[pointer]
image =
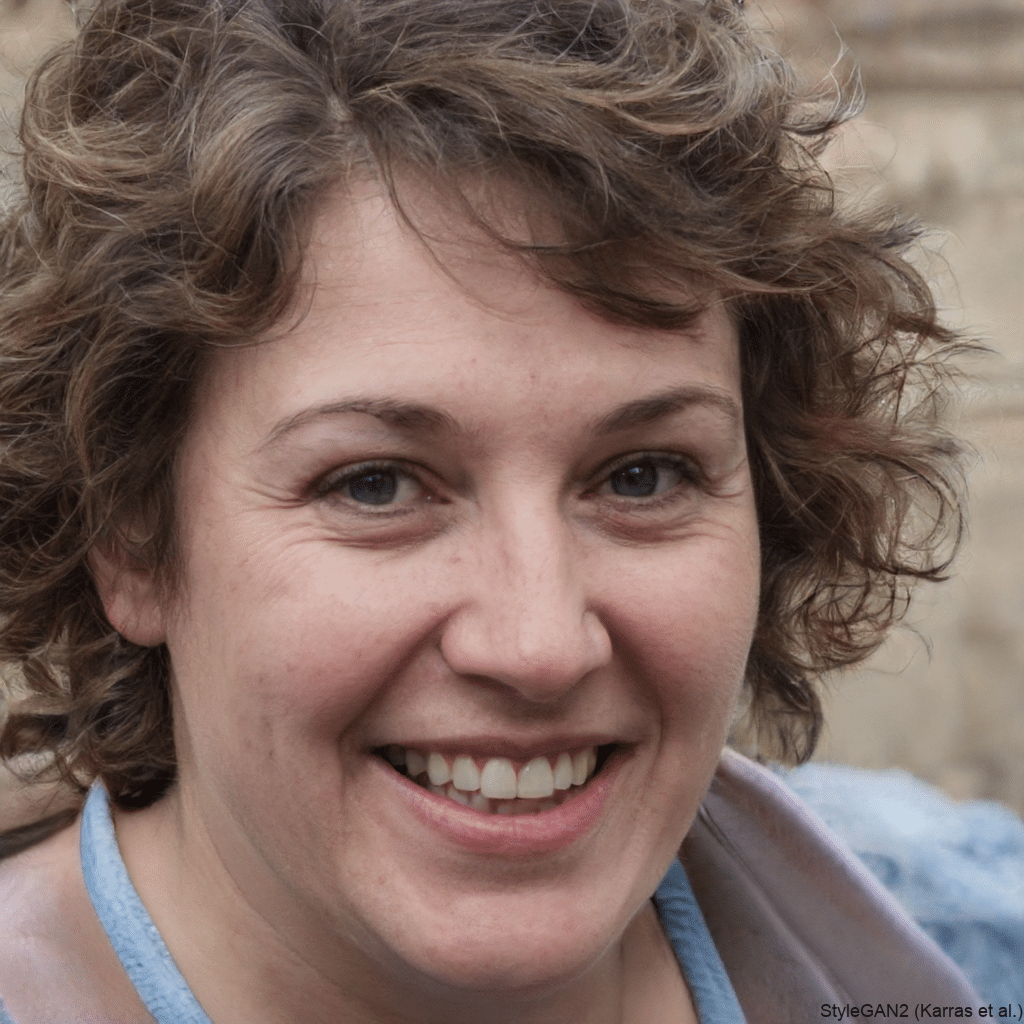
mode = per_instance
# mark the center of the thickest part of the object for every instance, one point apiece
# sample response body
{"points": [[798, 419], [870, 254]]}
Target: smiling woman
{"points": [[422, 424]]}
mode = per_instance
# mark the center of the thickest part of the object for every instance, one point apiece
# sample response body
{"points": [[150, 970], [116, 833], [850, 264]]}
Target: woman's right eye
{"points": [[384, 487], [376, 488]]}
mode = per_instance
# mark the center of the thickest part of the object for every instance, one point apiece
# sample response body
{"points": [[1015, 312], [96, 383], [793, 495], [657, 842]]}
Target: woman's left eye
{"points": [[648, 477], [372, 486]]}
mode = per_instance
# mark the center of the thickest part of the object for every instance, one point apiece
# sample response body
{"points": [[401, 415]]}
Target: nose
{"points": [[524, 620]]}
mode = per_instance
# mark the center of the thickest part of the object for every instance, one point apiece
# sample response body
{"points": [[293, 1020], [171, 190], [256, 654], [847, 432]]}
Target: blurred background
{"points": [[943, 136]]}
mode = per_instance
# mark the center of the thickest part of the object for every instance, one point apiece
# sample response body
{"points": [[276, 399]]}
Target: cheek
{"points": [[277, 653], [687, 623]]}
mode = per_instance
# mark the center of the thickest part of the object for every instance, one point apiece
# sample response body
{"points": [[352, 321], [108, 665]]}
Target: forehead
{"points": [[441, 316]]}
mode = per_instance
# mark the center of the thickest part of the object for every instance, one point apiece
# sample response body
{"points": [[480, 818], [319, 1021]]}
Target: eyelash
{"points": [[332, 484], [689, 471]]}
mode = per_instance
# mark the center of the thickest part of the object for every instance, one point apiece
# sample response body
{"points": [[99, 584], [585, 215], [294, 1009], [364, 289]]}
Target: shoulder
{"points": [[32, 880], [957, 867], [55, 959], [778, 889]]}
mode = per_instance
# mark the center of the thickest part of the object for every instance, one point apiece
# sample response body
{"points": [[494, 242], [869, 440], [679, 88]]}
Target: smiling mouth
{"points": [[494, 785]]}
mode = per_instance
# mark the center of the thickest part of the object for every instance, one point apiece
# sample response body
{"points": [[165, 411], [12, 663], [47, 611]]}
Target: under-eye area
{"points": [[499, 785]]}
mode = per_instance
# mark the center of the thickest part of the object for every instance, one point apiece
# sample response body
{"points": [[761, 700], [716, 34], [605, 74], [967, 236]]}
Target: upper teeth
{"points": [[498, 779]]}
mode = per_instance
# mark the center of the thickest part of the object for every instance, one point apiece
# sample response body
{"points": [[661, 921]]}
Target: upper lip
{"points": [[503, 746]]}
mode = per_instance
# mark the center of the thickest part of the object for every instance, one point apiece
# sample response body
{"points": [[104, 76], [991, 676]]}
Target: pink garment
{"points": [[799, 922]]}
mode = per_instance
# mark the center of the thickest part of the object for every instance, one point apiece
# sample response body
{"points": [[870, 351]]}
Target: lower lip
{"points": [[512, 835]]}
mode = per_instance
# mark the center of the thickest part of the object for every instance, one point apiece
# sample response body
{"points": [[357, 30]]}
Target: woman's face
{"points": [[453, 513]]}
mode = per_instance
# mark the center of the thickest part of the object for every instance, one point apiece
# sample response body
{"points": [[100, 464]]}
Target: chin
{"points": [[508, 952], [519, 969]]}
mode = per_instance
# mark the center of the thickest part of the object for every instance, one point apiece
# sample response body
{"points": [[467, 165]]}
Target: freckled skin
{"points": [[508, 589]]}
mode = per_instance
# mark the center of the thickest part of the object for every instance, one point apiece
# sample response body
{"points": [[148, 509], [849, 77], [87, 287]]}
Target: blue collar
{"points": [[126, 921]]}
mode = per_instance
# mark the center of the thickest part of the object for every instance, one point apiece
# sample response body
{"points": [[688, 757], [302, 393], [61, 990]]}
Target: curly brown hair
{"points": [[173, 155]]}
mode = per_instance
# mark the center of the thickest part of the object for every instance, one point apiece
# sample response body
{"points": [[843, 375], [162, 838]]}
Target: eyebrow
{"points": [[666, 403], [411, 417], [405, 416]]}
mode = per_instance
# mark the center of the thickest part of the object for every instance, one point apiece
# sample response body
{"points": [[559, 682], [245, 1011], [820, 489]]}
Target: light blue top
{"points": [[168, 998]]}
